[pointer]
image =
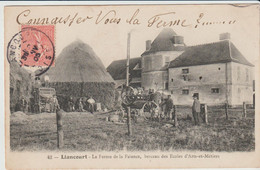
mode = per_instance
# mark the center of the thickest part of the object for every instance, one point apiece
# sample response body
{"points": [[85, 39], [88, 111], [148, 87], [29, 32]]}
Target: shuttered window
{"points": [[185, 91]]}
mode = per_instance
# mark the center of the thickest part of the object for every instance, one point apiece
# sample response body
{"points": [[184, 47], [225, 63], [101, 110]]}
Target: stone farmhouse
{"points": [[217, 71]]}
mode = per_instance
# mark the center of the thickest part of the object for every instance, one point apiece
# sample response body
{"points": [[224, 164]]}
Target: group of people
{"points": [[51, 104], [54, 104], [32, 105], [81, 104], [167, 107]]}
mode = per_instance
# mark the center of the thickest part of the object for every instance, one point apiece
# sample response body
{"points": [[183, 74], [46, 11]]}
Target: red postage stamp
{"points": [[33, 47], [37, 45]]}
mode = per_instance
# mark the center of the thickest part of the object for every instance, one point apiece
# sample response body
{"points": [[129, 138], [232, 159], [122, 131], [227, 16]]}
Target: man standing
{"points": [[81, 107], [91, 102], [196, 108], [70, 104], [169, 107]]}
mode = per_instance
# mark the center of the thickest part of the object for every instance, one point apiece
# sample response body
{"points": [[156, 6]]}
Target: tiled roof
{"points": [[117, 69], [164, 42], [217, 52]]}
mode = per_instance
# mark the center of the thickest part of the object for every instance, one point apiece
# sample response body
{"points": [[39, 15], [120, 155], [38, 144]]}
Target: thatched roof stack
{"points": [[78, 63], [78, 72]]}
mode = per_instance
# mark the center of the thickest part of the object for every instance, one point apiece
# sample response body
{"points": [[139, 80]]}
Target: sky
{"points": [[109, 42]]}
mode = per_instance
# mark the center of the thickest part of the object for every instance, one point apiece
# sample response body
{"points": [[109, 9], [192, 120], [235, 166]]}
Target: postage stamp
{"points": [[33, 47]]}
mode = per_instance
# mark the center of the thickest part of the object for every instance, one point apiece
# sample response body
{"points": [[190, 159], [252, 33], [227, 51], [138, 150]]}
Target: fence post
{"points": [[226, 110], [244, 109], [175, 116], [129, 121], [206, 113], [60, 143]]}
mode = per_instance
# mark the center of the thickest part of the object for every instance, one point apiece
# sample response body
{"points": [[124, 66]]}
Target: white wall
{"points": [[152, 76], [242, 87], [201, 79], [154, 80]]}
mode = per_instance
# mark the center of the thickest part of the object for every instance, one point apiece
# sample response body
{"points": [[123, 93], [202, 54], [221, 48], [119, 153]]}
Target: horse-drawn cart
{"points": [[140, 103]]}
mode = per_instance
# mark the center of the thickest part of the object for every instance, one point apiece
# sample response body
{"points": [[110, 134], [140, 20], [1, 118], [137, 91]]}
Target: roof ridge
{"points": [[207, 43], [209, 53], [126, 59]]}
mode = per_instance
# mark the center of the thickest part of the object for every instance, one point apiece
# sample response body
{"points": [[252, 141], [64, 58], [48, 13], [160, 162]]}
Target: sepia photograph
{"points": [[126, 83]]}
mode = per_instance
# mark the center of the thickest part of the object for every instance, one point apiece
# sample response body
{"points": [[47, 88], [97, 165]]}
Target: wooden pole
{"points": [[127, 84], [244, 109], [129, 121], [175, 116], [206, 113], [128, 59], [226, 110], [60, 143]]}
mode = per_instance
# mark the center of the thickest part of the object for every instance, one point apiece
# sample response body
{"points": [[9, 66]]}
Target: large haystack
{"points": [[78, 72], [20, 86]]}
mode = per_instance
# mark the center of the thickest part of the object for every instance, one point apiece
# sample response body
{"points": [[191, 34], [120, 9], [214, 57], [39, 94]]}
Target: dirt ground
{"points": [[87, 132]]}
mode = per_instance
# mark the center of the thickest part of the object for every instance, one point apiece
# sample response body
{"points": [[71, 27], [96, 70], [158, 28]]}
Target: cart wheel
{"points": [[121, 112], [150, 110], [128, 95]]}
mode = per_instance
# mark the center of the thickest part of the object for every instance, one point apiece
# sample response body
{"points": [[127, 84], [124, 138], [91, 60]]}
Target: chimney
{"points": [[224, 36], [148, 44]]}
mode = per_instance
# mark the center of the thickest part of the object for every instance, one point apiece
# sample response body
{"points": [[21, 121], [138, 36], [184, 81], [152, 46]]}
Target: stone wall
{"points": [[207, 80], [214, 84]]}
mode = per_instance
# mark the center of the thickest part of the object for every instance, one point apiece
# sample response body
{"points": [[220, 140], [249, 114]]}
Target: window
{"points": [[215, 90], [172, 80], [185, 77], [185, 91], [185, 71]]}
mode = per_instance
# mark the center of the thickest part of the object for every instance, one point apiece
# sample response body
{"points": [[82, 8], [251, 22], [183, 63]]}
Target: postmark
{"points": [[33, 47]]}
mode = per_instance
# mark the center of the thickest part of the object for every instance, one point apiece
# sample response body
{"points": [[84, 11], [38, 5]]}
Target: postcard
{"points": [[132, 86]]}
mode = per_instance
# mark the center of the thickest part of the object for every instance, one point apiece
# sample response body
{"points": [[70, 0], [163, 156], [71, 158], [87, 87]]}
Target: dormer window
{"points": [[185, 71]]}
